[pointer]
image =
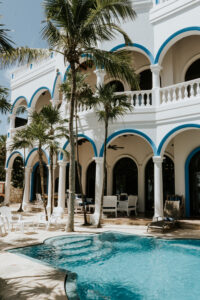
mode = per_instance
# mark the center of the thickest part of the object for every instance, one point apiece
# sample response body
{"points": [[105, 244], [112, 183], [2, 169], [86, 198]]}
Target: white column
{"points": [[100, 73], [26, 196], [61, 186], [155, 69], [50, 186], [30, 111], [7, 185], [158, 187], [98, 189]]}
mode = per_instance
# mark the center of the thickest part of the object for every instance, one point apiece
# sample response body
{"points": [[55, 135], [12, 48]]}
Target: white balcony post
{"points": [[155, 69], [26, 187], [100, 73], [7, 185], [158, 188], [61, 186], [98, 189]]}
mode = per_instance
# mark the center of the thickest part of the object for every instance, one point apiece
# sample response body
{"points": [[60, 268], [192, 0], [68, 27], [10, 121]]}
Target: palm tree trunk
{"points": [[78, 166], [70, 222], [104, 173], [40, 153], [21, 204], [52, 178]]}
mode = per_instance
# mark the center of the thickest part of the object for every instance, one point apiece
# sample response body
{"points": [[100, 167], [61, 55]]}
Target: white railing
{"points": [[139, 98], [14, 130], [180, 92]]}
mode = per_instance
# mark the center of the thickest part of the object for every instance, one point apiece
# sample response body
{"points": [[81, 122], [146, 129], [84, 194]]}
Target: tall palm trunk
{"points": [[52, 179], [70, 222], [23, 187], [104, 172], [40, 154], [78, 165]]}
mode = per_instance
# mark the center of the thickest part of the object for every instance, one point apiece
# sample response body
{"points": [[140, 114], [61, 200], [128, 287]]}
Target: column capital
{"points": [[62, 163], [157, 159], [28, 169], [98, 160], [100, 72], [155, 68]]}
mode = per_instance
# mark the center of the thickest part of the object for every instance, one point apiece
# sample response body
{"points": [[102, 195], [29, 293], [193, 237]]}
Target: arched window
{"points": [[36, 181], [194, 181], [125, 177], [119, 87]]}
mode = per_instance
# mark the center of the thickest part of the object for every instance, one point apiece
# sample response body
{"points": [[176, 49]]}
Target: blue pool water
{"points": [[125, 267]]}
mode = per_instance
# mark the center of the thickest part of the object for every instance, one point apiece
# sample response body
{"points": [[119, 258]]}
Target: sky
{"points": [[23, 18]]}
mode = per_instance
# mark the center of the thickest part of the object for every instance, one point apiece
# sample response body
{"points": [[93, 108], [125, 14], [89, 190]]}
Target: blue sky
{"points": [[23, 18]]}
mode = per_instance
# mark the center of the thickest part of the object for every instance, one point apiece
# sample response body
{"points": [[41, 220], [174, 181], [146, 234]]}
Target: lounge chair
{"points": [[171, 215], [9, 219], [110, 204]]}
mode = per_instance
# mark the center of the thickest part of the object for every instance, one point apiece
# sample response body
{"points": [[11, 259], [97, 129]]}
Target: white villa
{"points": [[154, 150]]}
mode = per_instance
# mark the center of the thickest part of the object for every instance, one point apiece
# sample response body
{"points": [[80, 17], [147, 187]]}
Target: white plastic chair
{"points": [[9, 219], [128, 205], [2, 225], [110, 204]]}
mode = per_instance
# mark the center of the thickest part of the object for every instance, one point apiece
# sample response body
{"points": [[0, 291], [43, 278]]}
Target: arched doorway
{"points": [[119, 87], [146, 80], [36, 181], [125, 177], [168, 181], [90, 180], [194, 180], [193, 72]]}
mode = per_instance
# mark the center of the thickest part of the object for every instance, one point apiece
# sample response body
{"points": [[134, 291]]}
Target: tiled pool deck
{"points": [[22, 278]]}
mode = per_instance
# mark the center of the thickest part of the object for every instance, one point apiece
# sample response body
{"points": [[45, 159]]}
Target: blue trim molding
{"points": [[39, 89], [131, 131], [33, 150], [13, 153], [15, 102], [187, 181], [85, 137], [178, 128], [54, 85], [171, 37], [139, 46]]}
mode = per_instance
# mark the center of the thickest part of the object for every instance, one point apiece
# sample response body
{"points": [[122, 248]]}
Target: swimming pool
{"points": [[122, 266]]}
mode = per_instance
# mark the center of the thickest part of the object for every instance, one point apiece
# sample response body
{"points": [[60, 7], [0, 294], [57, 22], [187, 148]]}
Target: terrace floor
{"points": [[22, 278]]}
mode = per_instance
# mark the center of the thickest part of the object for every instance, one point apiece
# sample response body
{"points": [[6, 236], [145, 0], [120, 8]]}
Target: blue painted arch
{"points": [[11, 155], [66, 72], [32, 151], [129, 131], [139, 46], [39, 89], [171, 132], [17, 100], [82, 136], [171, 37], [187, 181]]}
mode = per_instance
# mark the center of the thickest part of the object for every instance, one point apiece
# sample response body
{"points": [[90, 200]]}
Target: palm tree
{"points": [[3, 139], [4, 104], [83, 93], [37, 133], [56, 130], [113, 105], [22, 141], [73, 28]]}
